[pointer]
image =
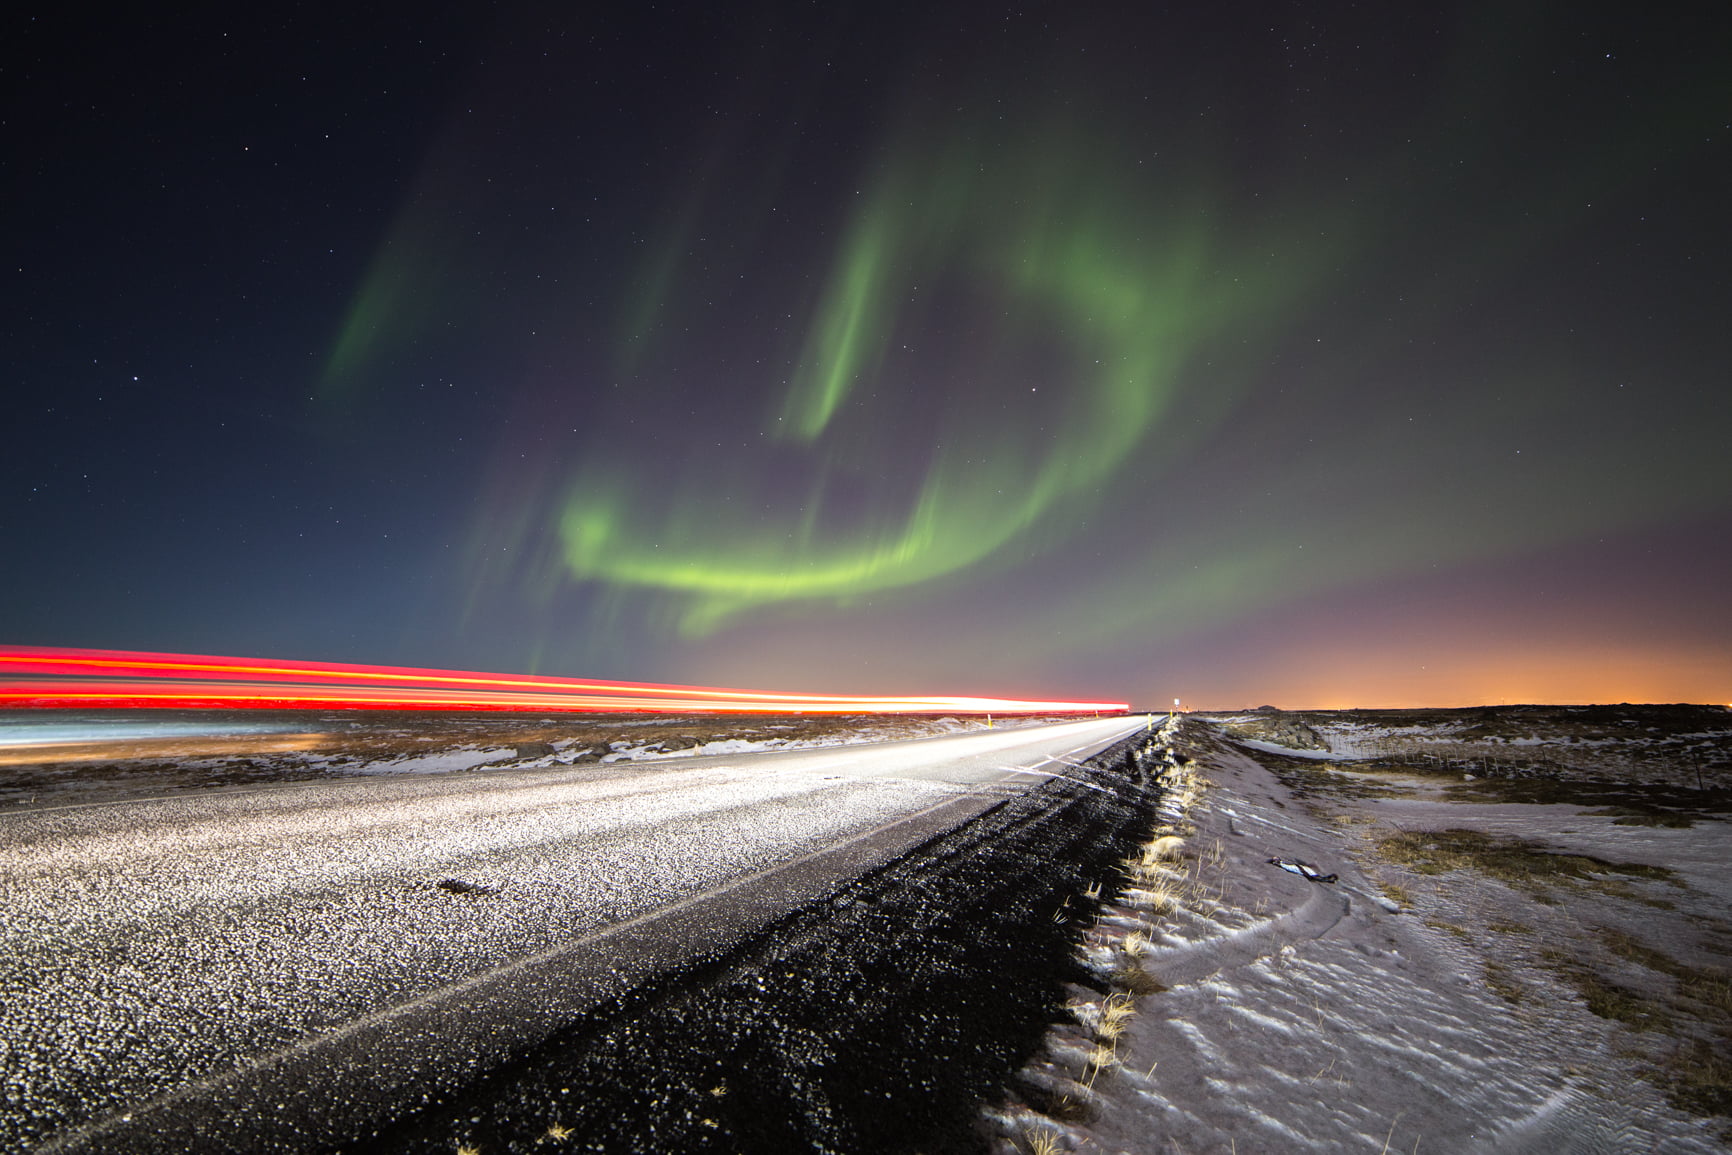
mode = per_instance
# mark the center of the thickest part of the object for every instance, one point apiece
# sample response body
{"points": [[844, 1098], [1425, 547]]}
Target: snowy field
{"points": [[56, 758], [1485, 974]]}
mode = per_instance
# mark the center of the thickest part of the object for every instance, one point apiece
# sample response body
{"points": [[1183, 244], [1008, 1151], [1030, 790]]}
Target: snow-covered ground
{"points": [[1685, 746], [655, 751], [438, 762], [1332, 755], [1393, 1009], [53, 757]]}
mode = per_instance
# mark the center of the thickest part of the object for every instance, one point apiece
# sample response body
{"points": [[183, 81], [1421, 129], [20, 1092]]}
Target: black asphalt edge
{"points": [[880, 1019], [416, 1051]]}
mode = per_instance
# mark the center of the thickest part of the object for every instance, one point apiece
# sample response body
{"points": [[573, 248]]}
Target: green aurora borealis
{"points": [[1040, 258], [1123, 353]]}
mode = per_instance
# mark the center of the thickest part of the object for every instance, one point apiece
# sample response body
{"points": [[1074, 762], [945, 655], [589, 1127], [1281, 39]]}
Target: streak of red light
{"points": [[71, 678]]}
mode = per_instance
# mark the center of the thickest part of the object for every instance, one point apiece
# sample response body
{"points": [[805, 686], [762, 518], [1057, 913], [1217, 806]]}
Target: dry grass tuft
{"points": [[1066, 1109], [1144, 873], [1137, 981], [1102, 1058], [1042, 1142], [1708, 987], [1605, 998], [1116, 1014], [1394, 891], [1701, 1081], [1157, 898], [1460, 932], [1504, 926], [1163, 849], [1713, 991], [1501, 983]]}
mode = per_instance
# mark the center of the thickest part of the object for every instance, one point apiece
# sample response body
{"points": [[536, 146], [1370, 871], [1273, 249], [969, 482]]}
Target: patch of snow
{"points": [[439, 763], [1292, 752], [653, 751]]}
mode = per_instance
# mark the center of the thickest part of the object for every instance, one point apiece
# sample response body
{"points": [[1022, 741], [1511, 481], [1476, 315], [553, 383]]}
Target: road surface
{"points": [[290, 954]]}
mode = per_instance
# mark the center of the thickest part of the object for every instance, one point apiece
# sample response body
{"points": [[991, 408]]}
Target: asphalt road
{"points": [[274, 968]]}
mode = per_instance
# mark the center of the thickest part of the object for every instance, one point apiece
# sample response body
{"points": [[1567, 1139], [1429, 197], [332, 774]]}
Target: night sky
{"points": [[1311, 354]]}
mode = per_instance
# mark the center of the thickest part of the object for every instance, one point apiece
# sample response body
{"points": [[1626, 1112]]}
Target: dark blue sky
{"points": [[1283, 352]]}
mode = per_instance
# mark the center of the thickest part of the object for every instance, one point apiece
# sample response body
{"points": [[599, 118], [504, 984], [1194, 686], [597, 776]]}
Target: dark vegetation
{"points": [[1513, 860], [1628, 803], [1682, 744]]}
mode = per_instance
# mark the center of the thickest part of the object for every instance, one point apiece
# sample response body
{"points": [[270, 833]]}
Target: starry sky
{"points": [[1313, 354]]}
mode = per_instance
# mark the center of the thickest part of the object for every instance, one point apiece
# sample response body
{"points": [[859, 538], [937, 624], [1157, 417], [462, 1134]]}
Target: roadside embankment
{"points": [[1257, 1004]]}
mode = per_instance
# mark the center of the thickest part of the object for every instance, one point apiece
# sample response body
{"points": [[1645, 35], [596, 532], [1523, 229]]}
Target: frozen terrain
{"points": [[61, 757], [1522, 948], [1486, 975]]}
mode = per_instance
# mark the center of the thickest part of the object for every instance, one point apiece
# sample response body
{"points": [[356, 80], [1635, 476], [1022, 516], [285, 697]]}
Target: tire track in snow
{"points": [[1311, 919]]}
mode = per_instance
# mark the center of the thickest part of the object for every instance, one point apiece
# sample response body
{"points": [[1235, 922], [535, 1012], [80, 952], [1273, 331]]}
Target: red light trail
{"points": [[47, 677]]}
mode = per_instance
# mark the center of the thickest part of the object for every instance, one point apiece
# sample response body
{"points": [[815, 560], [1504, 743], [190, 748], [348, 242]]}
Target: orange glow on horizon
{"points": [[1469, 673], [71, 678]]}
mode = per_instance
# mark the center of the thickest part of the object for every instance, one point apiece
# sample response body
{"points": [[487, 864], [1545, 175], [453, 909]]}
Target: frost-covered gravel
{"points": [[149, 943]]}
